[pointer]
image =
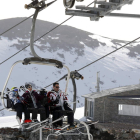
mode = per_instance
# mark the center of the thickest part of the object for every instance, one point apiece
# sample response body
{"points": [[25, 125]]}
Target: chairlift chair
{"points": [[47, 62]]}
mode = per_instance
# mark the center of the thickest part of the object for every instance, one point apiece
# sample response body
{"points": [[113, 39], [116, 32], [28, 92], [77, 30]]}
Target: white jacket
{"points": [[63, 97]]}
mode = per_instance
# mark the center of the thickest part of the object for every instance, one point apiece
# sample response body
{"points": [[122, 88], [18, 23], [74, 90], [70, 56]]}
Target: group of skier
{"points": [[43, 103]]}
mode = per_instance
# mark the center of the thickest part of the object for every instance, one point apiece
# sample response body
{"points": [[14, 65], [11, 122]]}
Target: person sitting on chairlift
{"points": [[19, 105], [33, 99], [44, 102], [59, 100]]}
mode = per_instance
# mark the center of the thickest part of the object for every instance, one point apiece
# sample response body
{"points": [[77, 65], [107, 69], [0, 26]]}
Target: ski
{"points": [[47, 124], [52, 128], [37, 124], [62, 129]]}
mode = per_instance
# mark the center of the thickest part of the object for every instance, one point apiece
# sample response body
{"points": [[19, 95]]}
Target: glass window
{"points": [[90, 108], [130, 110]]}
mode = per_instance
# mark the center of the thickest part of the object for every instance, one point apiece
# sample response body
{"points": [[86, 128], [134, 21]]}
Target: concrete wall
{"points": [[106, 109]]}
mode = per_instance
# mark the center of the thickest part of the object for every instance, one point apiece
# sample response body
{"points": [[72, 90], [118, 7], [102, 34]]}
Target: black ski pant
{"points": [[57, 113], [20, 107], [47, 111], [69, 114], [39, 110]]}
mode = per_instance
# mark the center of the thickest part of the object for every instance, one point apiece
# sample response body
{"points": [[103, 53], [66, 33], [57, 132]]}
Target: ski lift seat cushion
{"points": [[38, 109], [10, 104]]}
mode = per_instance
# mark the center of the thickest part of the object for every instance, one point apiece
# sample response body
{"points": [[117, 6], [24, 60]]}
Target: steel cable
{"points": [[101, 58], [41, 37]]}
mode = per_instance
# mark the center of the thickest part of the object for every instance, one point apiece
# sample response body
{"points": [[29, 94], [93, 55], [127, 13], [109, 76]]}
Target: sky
{"points": [[111, 27]]}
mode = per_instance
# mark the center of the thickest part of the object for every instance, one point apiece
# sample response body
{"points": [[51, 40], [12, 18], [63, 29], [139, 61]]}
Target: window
{"points": [[90, 108], [130, 110]]}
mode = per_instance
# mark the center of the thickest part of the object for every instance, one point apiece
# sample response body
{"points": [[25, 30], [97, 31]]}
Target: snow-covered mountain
{"points": [[76, 48]]}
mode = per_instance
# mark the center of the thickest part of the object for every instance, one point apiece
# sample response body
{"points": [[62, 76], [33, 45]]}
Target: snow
{"points": [[10, 121], [79, 113]]}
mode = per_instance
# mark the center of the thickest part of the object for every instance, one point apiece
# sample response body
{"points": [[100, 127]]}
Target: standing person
{"points": [[33, 99], [19, 105], [59, 99]]}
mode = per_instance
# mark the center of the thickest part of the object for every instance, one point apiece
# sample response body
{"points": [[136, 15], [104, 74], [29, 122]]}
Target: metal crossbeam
{"points": [[90, 8], [123, 15], [107, 3], [80, 13], [103, 9]]}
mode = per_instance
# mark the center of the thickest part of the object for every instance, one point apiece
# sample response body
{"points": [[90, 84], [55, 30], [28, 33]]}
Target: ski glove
{"points": [[57, 100]]}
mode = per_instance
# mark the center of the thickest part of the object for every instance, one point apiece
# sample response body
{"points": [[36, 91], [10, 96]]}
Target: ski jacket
{"points": [[13, 97], [28, 99], [53, 96]]}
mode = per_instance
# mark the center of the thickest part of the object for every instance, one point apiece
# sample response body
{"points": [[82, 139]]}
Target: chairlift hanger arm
{"points": [[39, 6]]}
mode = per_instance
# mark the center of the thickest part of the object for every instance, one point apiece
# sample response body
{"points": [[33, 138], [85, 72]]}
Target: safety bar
{"points": [[70, 134], [48, 124], [65, 133]]}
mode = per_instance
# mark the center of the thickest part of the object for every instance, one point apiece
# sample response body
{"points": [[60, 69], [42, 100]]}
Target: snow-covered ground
{"points": [[10, 121]]}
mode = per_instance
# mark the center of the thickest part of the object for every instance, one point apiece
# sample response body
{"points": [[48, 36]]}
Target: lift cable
{"points": [[109, 53], [99, 59], [40, 37], [18, 24]]}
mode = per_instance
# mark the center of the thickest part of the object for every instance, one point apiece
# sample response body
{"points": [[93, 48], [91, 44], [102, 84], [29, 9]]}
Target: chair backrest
{"points": [[10, 104]]}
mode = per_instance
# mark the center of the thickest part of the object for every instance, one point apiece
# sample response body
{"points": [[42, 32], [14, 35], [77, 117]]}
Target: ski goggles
{"points": [[29, 86], [15, 90]]}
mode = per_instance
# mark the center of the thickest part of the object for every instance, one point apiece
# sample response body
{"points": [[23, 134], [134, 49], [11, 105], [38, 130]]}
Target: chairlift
{"points": [[47, 62]]}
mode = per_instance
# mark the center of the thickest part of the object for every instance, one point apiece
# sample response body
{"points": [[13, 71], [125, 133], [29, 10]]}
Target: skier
{"points": [[33, 99], [19, 105], [59, 100]]}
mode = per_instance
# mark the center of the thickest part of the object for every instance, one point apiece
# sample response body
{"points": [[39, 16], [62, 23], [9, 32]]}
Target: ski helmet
{"points": [[14, 89], [27, 85]]}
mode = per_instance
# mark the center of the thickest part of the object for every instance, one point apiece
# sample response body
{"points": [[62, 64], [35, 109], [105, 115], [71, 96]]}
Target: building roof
{"points": [[111, 91], [132, 97]]}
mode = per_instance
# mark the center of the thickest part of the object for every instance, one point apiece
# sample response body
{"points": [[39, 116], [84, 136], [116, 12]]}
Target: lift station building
{"points": [[120, 104]]}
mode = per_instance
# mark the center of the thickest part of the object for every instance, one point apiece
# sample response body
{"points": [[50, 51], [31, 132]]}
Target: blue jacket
{"points": [[13, 97]]}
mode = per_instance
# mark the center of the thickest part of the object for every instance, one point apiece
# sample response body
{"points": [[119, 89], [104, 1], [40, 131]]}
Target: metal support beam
{"points": [[104, 9], [123, 15], [79, 13], [90, 8]]}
